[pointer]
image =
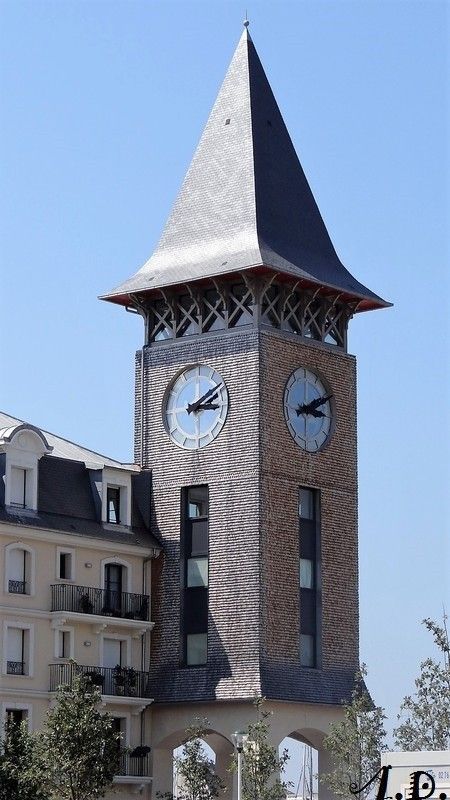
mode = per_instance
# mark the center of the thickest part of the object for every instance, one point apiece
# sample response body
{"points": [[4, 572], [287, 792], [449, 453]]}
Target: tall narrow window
{"points": [[114, 575], [63, 644], [18, 487], [17, 649], [65, 563], [113, 504], [308, 576], [194, 572], [19, 571]]}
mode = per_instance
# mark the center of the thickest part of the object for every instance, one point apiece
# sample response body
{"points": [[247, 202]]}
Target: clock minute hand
{"points": [[319, 401], [194, 406]]}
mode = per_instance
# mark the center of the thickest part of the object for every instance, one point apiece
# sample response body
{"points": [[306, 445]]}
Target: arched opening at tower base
{"points": [[301, 770], [296, 724], [168, 778]]}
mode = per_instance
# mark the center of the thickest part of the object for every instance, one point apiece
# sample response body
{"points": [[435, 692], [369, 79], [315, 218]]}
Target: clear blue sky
{"points": [[102, 104]]}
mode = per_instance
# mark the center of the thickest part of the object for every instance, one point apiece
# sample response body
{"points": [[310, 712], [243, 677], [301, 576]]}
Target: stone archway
{"points": [[220, 750]]}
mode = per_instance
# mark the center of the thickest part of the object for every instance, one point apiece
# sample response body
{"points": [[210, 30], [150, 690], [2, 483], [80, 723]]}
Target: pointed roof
{"points": [[245, 201]]}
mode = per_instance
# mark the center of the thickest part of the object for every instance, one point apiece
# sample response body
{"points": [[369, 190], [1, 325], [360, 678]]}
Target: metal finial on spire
{"points": [[246, 20]]}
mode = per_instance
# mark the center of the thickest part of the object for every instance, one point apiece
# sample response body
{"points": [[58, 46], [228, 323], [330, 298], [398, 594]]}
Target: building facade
{"points": [[246, 420], [75, 584]]}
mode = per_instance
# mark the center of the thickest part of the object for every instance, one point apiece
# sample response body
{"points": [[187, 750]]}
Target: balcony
{"points": [[103, 608], [112, 681], [136, 766], [101, 602]]}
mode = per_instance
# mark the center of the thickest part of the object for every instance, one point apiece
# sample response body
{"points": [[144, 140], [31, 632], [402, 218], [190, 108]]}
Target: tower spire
{"points": [[245, 202]]}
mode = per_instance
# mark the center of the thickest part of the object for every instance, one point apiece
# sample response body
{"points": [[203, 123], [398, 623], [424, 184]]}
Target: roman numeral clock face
{"points": [[196, 407], [307, 410]]}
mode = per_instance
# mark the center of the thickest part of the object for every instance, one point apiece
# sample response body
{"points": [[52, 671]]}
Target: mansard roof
{"points": [[245, 201]]}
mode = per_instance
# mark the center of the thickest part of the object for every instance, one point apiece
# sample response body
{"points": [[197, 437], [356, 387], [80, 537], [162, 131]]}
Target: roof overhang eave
{"points": [[361, 302]]}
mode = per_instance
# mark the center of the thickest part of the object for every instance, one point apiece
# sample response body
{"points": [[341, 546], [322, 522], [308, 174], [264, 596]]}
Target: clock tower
{"points": [[246, 417]]}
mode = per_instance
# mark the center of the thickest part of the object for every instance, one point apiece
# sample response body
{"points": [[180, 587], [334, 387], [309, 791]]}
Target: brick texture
{"points": [[254, 470]]}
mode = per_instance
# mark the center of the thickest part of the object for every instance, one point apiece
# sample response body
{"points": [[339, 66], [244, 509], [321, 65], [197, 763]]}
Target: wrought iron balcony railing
{"points": [[15, 668], [117, 681], [17, 587], [105, 602], [135, 765]]}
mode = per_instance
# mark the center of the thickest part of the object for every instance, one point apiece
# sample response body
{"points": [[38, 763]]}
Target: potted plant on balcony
{"points": [[140, 751], [96, 678], [86, 604], [119, 679], [130, 681]]}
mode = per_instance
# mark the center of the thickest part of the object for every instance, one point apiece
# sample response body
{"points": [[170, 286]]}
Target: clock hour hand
{"points": [[210, 394], [312, 407], [208, 406]]}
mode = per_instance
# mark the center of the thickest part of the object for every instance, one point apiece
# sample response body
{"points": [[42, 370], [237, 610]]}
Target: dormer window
{"points": [[113, 504], [23, 445], [116, 497]]}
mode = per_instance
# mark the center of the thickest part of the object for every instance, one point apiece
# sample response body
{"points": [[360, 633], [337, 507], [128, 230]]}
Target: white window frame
{"points": [[31, 551], [25, 626], [121, 638], [120, 562], [65, 551], [117, 479], [7, 706], [71, 632]]}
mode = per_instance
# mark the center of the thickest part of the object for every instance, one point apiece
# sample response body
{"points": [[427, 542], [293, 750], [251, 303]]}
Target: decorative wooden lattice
{"points": [[221, 306]]}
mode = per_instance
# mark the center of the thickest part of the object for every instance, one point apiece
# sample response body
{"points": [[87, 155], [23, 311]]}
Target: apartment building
{"points": [[76, 555]]}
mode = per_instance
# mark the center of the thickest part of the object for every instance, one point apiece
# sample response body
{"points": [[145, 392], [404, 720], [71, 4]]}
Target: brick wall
{"points": [[230, 466], [254, 470], [332, 470]]}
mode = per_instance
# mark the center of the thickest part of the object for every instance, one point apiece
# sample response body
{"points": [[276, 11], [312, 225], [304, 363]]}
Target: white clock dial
{"points": [[307, 409], [196, 407]]}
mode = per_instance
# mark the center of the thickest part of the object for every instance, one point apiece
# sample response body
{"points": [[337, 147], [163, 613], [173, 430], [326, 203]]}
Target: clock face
{"points": [[196, 407], [307, 409]]}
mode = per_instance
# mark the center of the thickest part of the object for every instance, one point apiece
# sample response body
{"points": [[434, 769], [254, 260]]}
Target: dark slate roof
{"points": [[68, 502], [245, 201], [77, 526]]}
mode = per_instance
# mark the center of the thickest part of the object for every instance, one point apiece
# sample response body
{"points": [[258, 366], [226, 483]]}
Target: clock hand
{"points": [[311, 408], [319, 401], [194, 406], [208, 407]]}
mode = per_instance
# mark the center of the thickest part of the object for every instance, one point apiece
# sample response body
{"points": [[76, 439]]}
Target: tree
{"points": [[426, 723], [355, 742], [196, 779], [19, 768], [262, 765], [78, 748]]}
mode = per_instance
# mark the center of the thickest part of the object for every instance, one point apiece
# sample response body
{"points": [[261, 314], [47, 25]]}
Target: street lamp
{"points": [[239, 739]]}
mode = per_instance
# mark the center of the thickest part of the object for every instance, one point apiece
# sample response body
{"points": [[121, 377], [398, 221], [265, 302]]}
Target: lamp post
{"points": [[239, 739]]}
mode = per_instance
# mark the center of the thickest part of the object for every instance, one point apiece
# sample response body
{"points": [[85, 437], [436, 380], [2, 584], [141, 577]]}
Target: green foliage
{"points": [[19, 767], [261, 763], [355, 742], [78, 748], [426, 715], [196, 778]]}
